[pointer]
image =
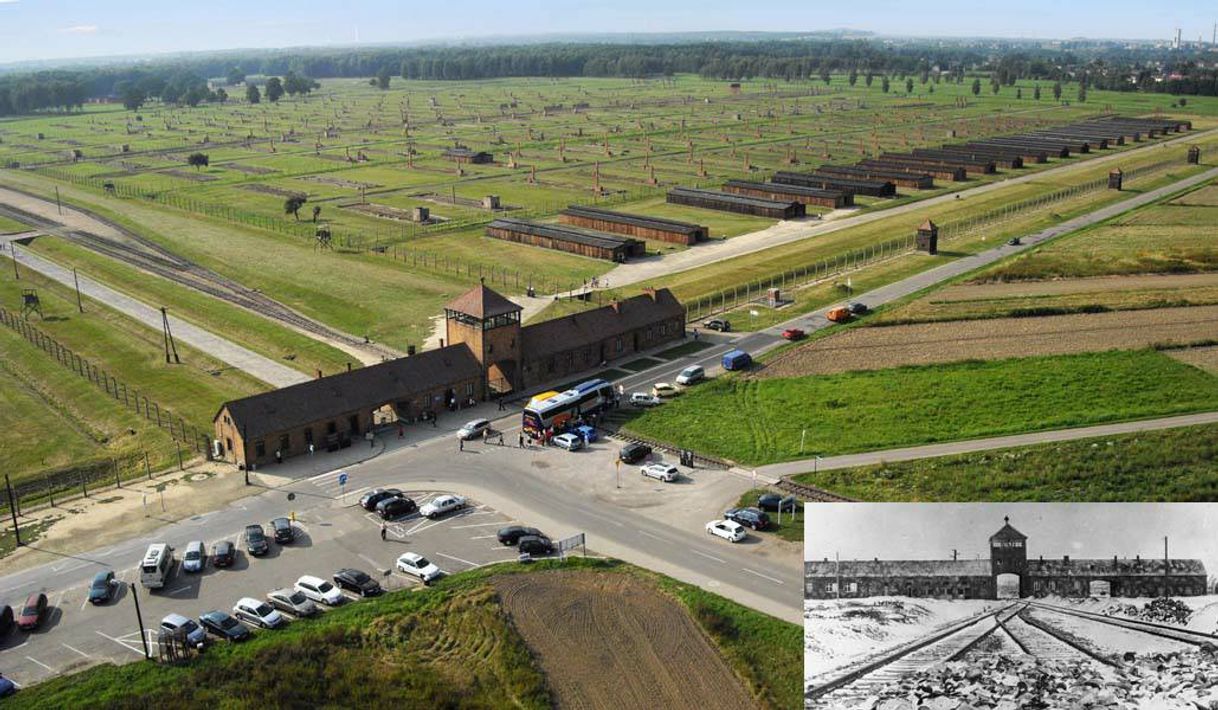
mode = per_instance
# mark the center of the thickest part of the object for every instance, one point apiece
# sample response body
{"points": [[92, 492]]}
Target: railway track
{"points": [[1174, 633], [1041, 640]]}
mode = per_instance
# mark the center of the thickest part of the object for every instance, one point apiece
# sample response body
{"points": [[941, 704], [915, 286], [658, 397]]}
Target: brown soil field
{"points": [[995, 338], [614, 641], [1056, 287], [1205, 358], [1206, 196]]}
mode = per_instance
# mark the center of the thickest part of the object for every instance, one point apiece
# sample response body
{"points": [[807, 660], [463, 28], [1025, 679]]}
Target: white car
{"points": [[570, 442], [195, 557], [663, 390], [691, 375], [727, 529], [415, 564], [258, 612], [642, 399], [661, 472], [443, 504], [474, 429], [319, 590]]}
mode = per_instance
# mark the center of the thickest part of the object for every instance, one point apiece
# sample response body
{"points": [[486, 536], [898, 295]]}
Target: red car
{"points": [[793, 334], [31, 614]]}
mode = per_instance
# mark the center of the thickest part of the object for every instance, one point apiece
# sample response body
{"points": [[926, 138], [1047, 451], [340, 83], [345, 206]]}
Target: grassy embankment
{"points": [[446, 646]]}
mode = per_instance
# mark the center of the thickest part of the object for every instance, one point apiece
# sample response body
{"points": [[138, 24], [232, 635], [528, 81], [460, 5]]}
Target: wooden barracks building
{"points": [[1007, 574], [487, 353]]}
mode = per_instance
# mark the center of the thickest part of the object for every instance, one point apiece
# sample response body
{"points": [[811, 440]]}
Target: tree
{"points": [[824, 75], [221, 95], [1036, 92], [252, 94], [853, 77], [976, 87], [382, 78], [1082, 93], [1019, 92], [198, 160], [235, 76], [884, 84], [994, 86], [867, 80], [316, 212], [909, 86], [132, 96], [1057, 91], [293, 204], [274, 89]]}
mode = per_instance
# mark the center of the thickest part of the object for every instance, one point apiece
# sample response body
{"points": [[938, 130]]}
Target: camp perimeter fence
{"points": [[185, 434], [755, 290], [78, 480]]}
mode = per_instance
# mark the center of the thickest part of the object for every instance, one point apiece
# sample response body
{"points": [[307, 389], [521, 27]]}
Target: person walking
{"points": [[460, 444], [384, 532], [522, 439]]}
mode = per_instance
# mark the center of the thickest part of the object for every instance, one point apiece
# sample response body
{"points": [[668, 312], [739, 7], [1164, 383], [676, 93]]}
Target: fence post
{"points": [[147, 466], [118, 482]]}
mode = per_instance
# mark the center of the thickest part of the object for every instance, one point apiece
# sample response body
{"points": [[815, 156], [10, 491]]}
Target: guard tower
{"points": [[1115, 177], [30, 303], [489, 325], [928, 237], [1194, 155], [1009, 559]]}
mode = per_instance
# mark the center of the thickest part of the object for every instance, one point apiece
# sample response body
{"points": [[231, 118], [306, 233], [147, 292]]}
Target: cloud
{"points": [[9, 2], [78, 29]]}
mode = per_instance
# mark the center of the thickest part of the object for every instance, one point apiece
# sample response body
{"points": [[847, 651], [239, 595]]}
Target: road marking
{"points": [[370, 561], [483, 537], [77, 650], [763, 576], [182, 588], [458, 559], [709, 557], [644, 532], [35, 660], [475, 525]]}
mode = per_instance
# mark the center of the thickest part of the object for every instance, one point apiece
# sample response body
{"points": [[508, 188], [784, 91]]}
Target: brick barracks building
{"points": [[486, 353], [1007, 574]]}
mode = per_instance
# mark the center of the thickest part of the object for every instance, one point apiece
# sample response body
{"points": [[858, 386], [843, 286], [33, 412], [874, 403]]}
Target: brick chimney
{"points": [[616, 306], [1066, 559], [649, 291], [319, 373]]}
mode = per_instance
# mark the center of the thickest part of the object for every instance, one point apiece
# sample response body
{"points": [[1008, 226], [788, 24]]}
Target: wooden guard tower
{"points": [[928, 238], [1115, 176], [1194, 155], [489, 325]]}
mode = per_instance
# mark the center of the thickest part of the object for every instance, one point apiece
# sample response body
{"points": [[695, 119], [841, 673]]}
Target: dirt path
{"points": [[614, 641], [995, 338], [1060, 287]]}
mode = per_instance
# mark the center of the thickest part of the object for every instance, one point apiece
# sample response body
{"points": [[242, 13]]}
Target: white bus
{"points": [[557, 411], [157, 563]]}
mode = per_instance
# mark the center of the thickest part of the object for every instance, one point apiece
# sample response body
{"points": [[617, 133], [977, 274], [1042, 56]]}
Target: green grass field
{"points": [[759, 421], [1172, 465], [446, 646]]}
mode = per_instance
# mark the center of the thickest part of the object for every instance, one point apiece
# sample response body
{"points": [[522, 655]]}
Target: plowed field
{"points": [[613, 641]]}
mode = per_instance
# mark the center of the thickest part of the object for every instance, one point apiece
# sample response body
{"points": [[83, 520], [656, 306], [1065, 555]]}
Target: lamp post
{"points": [[140, 620], [12, 508]]}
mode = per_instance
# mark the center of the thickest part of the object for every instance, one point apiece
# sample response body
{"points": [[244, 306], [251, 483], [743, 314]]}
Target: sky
{"points": [[61, 29], [930, 531]]}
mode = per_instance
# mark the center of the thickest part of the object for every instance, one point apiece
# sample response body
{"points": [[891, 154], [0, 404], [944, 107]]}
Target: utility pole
{"points": [[13, 247], [140, 619], [12, 508], [58, 204], [1166, 589], [169, 344], [79, 304]]}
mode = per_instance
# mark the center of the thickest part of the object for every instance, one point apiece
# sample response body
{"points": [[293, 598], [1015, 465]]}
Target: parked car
{"points": [[419, 566], [750, 517], [374, 497], [793, 334], [258, 612], [474, 429], [726, 529], [569, 441], [643, 399], [857, 308], [319, 590], [255, 541], [283, 530], [224, 625], [736, 360], [396, 507], [664, 390], [7, 687], [357, 581], [1013, 242], [292, 601], [7, 620], [441, 505], [720, 324], [176, 623], [773, 501], [841, 314], [661, 472], [634, 452], [512, 534], [33, 612], [691, 375], [535, 545], [102, 588], [223, 554], [195, 557], [586, 432]]}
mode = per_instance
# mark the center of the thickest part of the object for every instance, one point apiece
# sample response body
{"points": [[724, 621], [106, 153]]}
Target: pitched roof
{"points": [[1008, 533], [481, 302], [366, 388], [1116, 567], [898, 568], [927, 226], [582, 329]]}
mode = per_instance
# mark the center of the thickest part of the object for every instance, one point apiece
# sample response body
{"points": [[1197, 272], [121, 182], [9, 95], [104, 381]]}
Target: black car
{"points": [[857, 308], [749, 517], [634, 452], [354, 580], [284, 533], [223, 554], [224, 625], [255, 541], [773, 501], [535, 545], [512, 534], [374, 497], [6, 620], [102, 589], [395, 507], [720, 324]]}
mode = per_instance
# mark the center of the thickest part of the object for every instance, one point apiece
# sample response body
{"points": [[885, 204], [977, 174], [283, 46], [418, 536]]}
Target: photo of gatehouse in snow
{"points": [[953, 606]]}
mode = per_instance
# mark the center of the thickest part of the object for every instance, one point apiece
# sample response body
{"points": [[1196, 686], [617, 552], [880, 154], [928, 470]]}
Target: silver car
{"points": [[292, 601], [195, 557]]}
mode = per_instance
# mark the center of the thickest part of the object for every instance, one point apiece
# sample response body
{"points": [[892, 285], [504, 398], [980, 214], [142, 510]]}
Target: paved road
{"points": [[242, 358]]}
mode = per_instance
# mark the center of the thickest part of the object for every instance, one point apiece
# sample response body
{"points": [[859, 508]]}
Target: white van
{"points": [[156, 566], [691, 375]]}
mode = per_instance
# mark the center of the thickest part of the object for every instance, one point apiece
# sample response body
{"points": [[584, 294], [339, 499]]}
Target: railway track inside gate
{"points": [[1165, 631]]}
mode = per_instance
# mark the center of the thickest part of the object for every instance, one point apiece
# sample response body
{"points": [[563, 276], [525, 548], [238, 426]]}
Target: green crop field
{"points": [[758, 421], [1171, 465], [446, 646]]}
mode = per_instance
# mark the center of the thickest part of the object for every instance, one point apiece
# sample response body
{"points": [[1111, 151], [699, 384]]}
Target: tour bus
{"points": [[557, 411], [158, 561]]}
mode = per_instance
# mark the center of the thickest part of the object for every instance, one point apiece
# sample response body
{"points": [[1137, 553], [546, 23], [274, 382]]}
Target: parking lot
{"points": [[76, 633]]}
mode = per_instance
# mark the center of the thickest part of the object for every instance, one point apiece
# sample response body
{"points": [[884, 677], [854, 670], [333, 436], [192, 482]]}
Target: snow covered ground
{"points": [[1204, 618]]}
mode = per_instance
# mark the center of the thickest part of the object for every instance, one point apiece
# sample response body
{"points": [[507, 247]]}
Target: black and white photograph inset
{"points": [[1011, 606]]}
